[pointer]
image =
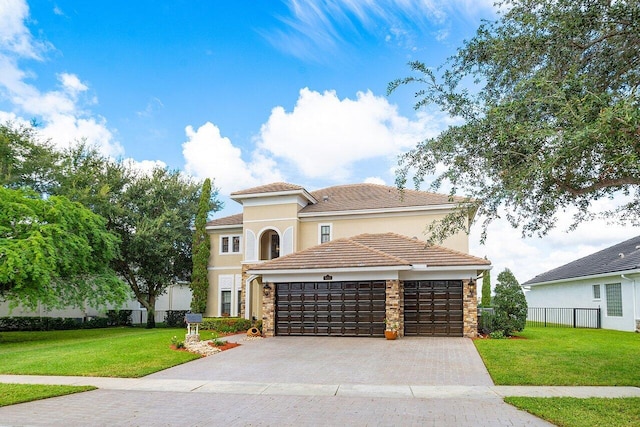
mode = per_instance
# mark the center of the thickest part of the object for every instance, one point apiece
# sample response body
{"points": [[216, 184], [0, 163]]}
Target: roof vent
{"points": [[325, 198], [621, 255]]}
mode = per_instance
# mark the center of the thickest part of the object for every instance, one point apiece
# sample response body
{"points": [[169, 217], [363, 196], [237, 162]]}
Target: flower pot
{"points": [[391, 335]]}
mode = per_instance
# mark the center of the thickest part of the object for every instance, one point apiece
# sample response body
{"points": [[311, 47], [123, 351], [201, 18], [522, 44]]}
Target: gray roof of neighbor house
{"points": [[624, 256], [372, 250]]}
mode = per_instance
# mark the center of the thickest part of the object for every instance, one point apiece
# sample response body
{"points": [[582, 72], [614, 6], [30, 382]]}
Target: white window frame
{"points": [[593, 292], [230, 238], [326, 224], [231, 283], [609, 291]]}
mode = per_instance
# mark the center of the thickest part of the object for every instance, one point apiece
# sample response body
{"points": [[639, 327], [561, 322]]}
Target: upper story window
{"points": [[325, 233], [230, 244]]}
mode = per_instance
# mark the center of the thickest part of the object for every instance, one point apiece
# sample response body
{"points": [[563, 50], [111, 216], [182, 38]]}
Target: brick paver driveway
{"points": [[294, 368]]}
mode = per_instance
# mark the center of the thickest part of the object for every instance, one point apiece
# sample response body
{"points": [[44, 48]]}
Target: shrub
{"points": [[497, 335], [119, 317], [177, 342], [175, 318], [226, 324], [510, 305]]}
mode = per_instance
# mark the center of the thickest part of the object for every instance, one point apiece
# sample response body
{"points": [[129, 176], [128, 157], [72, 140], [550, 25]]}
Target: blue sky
{"points": [[250, 92]]}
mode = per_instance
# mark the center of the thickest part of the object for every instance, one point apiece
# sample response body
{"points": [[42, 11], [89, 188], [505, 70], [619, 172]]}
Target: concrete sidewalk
{"points": [[339, 390]]}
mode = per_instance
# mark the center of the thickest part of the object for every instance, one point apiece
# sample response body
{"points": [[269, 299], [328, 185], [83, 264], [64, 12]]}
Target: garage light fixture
{"points": [[327, 277], [266, 289]]}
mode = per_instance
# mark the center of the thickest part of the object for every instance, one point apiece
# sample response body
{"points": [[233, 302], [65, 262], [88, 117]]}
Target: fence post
{"points": [[545, 317], [574, 318], [599, 317]]}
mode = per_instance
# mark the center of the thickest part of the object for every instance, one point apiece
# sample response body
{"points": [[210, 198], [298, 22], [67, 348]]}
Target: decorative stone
{"points": [[191, 338]]}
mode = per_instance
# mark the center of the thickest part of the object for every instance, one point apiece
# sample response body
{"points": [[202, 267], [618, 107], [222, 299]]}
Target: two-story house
{"points": [[341, 261]]}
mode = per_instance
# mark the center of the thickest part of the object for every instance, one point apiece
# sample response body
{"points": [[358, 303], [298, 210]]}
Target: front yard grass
{"points": [[571, 411], [569, 357], [10, 394], [115, 352], [563, 356]]}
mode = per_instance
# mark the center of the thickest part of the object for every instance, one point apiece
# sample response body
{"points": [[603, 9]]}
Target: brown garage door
{"points": [[330, 308], [433, 308]]}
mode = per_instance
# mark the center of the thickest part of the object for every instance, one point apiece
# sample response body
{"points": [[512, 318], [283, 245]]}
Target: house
{"points": [[608, 279], [341, 261], [176, 297]]}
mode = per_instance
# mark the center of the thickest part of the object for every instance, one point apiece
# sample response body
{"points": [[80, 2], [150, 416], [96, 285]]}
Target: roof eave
{"points": [[239, 197], [592, 276], [448, 206], [329, 270]]}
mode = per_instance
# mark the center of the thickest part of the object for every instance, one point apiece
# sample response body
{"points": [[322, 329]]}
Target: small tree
{"points": [[200, 251], [486, 288], [510, 304]]}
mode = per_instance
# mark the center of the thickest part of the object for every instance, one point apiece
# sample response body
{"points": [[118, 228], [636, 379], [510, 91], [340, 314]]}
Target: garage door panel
{"points": [[331, 308], [433, 308]]}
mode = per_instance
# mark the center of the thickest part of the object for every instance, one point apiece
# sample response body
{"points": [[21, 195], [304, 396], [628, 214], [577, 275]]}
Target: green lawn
{"points": [[564, 356], [114, 352], [10, 394], [571, 411]]}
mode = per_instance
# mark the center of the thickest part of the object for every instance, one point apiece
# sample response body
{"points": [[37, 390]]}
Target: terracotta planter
{"points": [[391, 335]]}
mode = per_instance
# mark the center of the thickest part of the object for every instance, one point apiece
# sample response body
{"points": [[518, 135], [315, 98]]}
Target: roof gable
{"points": [[226, 221], [621, 257]]}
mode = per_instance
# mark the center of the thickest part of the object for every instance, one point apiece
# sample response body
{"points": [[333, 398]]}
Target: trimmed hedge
{"points": [[8, 324], [226, 324], [114, 318]]}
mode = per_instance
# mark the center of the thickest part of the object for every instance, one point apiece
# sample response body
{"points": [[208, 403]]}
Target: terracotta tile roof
{"points": [[335, 254], [371, 250], [417, 251], [227, 220], [372, 196], [274, 187]]}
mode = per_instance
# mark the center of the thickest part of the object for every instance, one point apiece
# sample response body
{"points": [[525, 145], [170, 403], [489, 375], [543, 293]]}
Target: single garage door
{"points": [[433, 308], [330, 308]]}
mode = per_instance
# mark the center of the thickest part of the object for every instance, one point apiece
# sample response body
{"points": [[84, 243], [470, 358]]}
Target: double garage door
{"points": [[432, 308]]}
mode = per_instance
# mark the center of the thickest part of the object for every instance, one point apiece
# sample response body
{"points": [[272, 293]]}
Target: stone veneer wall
{"points": [[395, 304], [268, 311], [470, 308]]}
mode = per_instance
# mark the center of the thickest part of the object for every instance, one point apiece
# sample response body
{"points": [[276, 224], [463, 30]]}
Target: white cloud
{"points": [[60, 111], [324, 136], [145, 166], [208, 154], [374, 180], [311, 30]]}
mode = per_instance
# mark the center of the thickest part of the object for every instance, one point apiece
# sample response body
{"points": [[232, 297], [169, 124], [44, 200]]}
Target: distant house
{"points": [[176, 297], [340, 261], [609, 279]]}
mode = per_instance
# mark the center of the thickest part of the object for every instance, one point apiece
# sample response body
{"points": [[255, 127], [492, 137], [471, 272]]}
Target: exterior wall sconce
{"points": [[327, 277], [266, 289]]}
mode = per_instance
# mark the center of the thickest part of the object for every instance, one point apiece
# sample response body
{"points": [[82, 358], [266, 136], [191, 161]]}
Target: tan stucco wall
{"points": [[406, 225]]}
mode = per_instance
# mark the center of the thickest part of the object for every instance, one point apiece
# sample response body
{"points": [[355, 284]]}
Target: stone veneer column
{"points": [[470, 308], [243, 291], [395, 304], [268, 310]]}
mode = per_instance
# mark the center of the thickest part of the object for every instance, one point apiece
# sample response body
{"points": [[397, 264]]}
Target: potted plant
{"points": [[391, 330]]}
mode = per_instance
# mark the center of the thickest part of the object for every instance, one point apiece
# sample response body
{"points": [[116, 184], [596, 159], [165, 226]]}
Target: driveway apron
{"points": [[283, 381]]}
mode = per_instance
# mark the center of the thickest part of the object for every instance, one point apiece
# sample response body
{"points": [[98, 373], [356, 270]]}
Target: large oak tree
{"points": [[549, 107]]}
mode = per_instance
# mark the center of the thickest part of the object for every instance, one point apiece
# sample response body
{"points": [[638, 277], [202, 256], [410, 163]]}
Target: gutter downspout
{"points": [[635, 301]]}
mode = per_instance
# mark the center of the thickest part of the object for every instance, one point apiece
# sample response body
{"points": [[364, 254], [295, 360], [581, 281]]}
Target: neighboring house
{"points": [[176, 297], [341, 261], [608, 279]]}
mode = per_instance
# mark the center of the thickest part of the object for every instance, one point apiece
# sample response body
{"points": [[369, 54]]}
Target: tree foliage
{"points": [[201, 248], [510, 304], [486, 289], [149, 214], [55, 252], [549, 107]]}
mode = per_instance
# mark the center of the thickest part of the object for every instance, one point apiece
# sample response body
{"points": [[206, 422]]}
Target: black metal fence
{"points": [[564, 317]]}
